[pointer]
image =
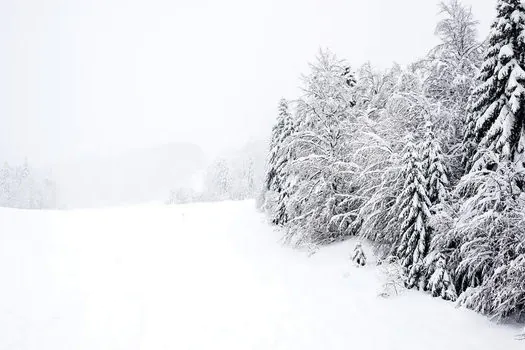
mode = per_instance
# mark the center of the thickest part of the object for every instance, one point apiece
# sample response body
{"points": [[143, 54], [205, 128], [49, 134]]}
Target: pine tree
{"points": [[498, 107], [278, 169], [413, 205], [280, 132], [359, 257], [434, 167], [280, 216]]}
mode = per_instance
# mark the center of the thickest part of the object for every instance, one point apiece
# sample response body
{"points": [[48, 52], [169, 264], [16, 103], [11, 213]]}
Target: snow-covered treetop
{"points": [[329, 88], [499, 99], [457, 30]]}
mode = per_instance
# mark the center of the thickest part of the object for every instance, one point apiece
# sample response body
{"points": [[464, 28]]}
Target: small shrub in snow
{"points": [[358, 256], [521, 336], [415, 276], [394, 280]]}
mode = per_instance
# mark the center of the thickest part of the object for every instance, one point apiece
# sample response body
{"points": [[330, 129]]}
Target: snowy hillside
{"points": [[205, 276]]}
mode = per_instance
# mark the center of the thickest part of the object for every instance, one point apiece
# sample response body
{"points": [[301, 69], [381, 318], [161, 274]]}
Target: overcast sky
{"points": [[99, 76]]}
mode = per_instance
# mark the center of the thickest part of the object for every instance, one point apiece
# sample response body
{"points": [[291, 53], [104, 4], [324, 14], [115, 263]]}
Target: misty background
{"points": [[114, 102]]}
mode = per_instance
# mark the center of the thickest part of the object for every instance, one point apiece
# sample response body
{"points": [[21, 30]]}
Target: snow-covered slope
{"points": [[204, 276]]}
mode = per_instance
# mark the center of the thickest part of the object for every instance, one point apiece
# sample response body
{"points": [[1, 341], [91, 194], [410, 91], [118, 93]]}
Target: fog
{"points": [[84, 84]]}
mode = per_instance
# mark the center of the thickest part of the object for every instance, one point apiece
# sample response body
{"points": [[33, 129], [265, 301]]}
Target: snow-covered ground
{"points": [[205, 276]]}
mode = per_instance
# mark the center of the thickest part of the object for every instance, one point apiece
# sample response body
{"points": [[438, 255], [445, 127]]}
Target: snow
{"points": [[517, 16], [205, 276], [506, 51]]}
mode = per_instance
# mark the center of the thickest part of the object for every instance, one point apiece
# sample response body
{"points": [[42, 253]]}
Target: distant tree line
{"points": [[236, 178], [21, 187]]}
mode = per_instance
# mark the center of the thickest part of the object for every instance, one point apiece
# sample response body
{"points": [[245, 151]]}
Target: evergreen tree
{"points": [[278, 168], [434, 167], [498, 107], [280, 216], [413, 206], [280, 132], [358, 256]]}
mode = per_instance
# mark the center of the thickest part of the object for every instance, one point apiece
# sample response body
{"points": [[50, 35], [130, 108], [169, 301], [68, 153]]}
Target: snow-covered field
{"points": [[204, 276]]}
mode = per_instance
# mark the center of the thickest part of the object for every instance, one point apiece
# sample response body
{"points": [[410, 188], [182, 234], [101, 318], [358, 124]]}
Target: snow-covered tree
{"points": [[390, 105], [434, 167], [413, 206], [439, 283], [218, 181], [449, 73], [322, 167], [358, 256], [498, 109], [488, 233], [376, 219], [453, 64], [281, 131], [278, 168]]}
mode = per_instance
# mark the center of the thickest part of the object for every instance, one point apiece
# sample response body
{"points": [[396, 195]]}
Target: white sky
{"points": [[100, 76]]}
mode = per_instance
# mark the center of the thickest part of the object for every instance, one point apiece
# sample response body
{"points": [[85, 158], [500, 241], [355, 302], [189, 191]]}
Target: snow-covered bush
{"points": [[394, 277], [358, 256]]}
